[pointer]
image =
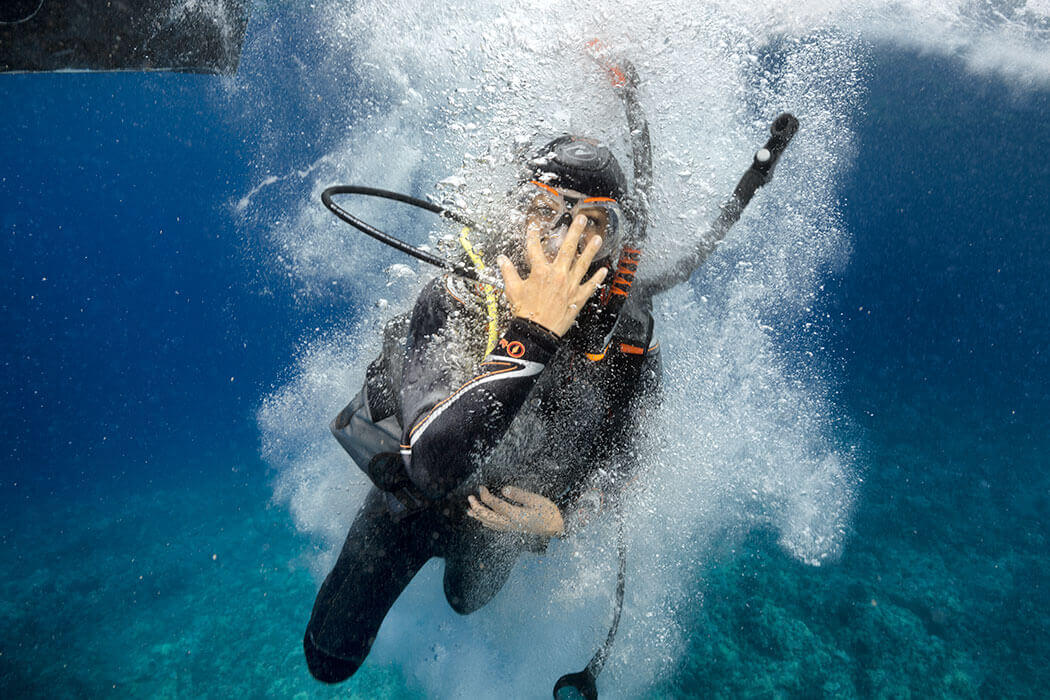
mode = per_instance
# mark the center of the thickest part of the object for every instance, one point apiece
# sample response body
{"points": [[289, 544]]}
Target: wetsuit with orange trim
{"points": [[537, 413]]}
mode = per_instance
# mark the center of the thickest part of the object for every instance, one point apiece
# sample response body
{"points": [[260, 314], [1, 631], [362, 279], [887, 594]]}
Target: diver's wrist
{"points": [[539, 332], [528, 340]]}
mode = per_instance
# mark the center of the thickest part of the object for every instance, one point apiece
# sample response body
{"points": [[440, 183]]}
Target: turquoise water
{"points": [[181, 318]]}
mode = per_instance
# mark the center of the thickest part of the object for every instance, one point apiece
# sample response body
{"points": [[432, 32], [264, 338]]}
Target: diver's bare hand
{"points": [[536, 515], [554, 292]]}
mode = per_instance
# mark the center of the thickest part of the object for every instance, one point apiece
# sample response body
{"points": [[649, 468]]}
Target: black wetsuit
{"points": [[536, 413]]}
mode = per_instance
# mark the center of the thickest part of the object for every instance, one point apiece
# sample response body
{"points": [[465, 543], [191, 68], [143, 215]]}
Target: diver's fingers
{"points": [[588, 288], [533, 248], [567, 252], [511, 278], [481, 510], [490, 521], [526, 498], [501, 507], [486, 517], [579, 268]]}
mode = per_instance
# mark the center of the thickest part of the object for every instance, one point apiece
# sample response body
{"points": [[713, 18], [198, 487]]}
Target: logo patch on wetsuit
{"points": [[514, 348]]}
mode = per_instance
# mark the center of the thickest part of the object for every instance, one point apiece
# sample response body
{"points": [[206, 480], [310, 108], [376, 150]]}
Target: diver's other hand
{"points": [[554, 292], [536, 515]]}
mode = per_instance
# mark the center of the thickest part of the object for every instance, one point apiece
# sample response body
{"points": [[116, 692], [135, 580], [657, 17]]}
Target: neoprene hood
{"points": [[580, 164]]}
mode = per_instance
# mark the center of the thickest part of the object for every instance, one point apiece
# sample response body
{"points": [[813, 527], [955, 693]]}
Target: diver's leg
{"points": [[477, 566], [378, 560]]}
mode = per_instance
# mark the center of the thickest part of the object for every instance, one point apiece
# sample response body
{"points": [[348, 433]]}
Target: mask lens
{"points": [[604, 219], [597, 219], [544, 210], [554, 210]]}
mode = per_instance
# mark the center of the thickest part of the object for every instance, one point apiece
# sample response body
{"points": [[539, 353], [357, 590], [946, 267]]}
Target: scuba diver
{"points": [[506, 444], [492, 422]]}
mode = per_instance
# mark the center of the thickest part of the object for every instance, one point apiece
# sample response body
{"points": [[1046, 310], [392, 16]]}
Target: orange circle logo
{"points": [[515, 349]]}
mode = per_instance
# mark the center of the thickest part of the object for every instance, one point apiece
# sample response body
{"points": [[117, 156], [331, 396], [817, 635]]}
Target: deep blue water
{"points": [[949, 213], [142, 324]]}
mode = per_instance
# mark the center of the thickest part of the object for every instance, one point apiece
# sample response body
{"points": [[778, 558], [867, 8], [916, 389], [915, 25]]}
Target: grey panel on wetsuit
{"points": [[368, 428], [370, 444], [375, 446], [145, 35]]}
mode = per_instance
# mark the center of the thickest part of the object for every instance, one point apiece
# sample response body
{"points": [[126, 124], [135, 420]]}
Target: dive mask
{"points": [[555, 208]]}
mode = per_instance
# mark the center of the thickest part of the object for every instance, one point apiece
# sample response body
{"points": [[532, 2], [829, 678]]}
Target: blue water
{"points": [[145, 320]]}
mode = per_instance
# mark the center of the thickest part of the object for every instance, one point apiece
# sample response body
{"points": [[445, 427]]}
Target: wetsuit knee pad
{"points": [[462, 604], [458, 595], [325, 667], [468, 589]]}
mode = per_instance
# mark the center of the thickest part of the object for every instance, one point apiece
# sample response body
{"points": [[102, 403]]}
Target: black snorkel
{"points": [[782, 131], [761, 171]]}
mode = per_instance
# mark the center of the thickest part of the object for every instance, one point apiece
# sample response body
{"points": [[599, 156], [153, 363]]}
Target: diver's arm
{"points": [[525, 512], [782, 130], [641, 148], [446, 433], [684, 267], [624, 78], [448, 429]]}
